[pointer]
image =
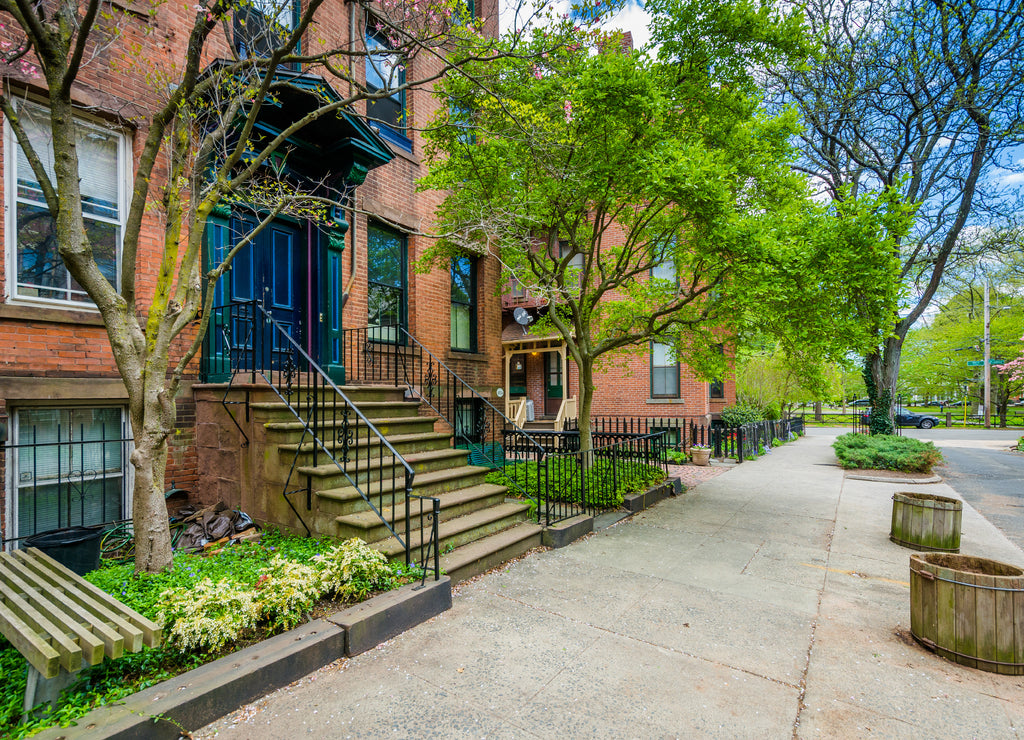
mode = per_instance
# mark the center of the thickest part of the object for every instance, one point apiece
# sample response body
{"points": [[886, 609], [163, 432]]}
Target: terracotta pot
{"points": [[700, 457]]}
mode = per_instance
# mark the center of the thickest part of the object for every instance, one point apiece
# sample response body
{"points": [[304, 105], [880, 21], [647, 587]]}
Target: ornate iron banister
{"points": [[256, 344], [390, 354]]}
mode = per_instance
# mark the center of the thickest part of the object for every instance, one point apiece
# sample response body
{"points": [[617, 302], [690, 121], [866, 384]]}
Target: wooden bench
{"points": [[62, 623]]}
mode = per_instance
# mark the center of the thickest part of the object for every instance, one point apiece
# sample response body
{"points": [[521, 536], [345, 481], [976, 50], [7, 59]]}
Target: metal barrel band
{"points": [[931, 645], [932, 577]]}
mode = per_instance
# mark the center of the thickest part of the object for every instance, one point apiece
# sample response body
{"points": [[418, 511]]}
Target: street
{"points": [[981, 467]]}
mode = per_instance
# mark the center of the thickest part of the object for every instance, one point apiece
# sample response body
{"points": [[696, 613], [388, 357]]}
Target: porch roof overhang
{"points": [[514, 339], [339, 140]]}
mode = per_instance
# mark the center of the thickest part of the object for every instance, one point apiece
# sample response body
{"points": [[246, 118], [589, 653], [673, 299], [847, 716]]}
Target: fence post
{"points": [[739, 443]]}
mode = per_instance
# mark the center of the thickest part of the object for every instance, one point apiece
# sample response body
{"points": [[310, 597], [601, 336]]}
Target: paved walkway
{"points": [[767, 603]]}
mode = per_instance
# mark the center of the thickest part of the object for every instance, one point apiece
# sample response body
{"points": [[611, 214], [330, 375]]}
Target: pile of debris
{"points": [[213, 527]]}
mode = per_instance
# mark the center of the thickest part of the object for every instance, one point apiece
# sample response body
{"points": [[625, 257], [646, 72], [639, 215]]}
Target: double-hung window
{"points": [[70, 468], [386, 282], [385, 71], [38, 272], [463, 324], [664, 371]]}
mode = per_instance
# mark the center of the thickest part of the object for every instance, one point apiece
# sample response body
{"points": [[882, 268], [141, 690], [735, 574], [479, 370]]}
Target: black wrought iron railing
{"points": [[588, 481], [391, 355], [335, 432], [66, 476]]}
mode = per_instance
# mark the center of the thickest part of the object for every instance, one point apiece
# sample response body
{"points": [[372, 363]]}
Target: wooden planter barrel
{"points": [[969, 610], [926, 522]]}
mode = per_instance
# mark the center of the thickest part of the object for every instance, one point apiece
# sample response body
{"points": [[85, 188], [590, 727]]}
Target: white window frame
{"points": [[11, 483], [125, 173]]}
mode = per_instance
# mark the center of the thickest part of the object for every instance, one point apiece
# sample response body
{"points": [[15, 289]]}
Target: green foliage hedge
{"points": [[604, 487], [887, 452], [741, 413]]}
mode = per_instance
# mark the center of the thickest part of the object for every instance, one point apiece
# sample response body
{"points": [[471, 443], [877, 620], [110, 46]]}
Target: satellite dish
{"points": [[522, 316]]}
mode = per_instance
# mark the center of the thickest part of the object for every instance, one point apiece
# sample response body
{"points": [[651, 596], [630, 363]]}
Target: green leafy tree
{"points": [[922, 100], [199, 147], [936, 356], [650, 198]]}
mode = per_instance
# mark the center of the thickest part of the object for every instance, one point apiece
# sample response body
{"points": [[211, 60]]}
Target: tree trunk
{"points": [[586, 371], [152, 418], [881, 372], [149, 513]]}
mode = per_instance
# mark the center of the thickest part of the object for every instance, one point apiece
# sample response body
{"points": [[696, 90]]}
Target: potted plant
{"points": [[700, 454]]}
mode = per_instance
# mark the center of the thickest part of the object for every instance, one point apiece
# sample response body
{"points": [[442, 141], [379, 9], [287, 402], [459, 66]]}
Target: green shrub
{"points": [[676, 456], [741, 413], [772, 411], [887, 452], [604, 485]]}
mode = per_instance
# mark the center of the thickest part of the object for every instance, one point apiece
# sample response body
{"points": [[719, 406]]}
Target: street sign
{"points": [[980, 363]]}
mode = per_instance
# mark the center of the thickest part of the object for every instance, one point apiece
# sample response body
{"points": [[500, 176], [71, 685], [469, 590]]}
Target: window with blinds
{"points": [[69, 468], [664, 371], [463, 304], [40, 273]]}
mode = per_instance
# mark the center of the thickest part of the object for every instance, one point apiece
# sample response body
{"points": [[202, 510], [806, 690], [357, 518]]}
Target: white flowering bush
{"points": [[208, 615], [353, 569], [286, 590]]}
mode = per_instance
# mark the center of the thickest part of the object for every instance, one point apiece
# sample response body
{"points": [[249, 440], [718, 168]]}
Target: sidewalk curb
{"points": [[898, 481], [200, 696]]}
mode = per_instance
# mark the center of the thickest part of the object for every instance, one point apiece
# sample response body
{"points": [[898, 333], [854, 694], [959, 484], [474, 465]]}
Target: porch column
{"points": [[330, 310], [565, 373], [508, 379]]}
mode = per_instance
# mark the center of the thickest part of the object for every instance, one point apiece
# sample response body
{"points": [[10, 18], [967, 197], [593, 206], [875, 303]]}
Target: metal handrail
{"points": [[389, 353], [314, 419]]}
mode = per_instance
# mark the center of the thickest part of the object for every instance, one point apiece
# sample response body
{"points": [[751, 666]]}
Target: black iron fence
{"points": [[334, 430], [578, 482], [67, 475]]}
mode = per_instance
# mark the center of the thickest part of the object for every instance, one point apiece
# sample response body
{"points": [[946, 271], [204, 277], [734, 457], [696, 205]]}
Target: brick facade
{"points": [[60, 357]]}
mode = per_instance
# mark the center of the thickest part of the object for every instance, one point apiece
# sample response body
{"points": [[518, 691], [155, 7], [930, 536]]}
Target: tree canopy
{"points": [[921, 100], [643, 198]]}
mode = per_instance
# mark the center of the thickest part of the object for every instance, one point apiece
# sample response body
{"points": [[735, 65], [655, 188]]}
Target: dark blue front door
{"points": [[272, 269]]}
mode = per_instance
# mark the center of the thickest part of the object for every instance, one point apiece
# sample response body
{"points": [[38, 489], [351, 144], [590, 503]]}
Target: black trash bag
{"points": [[242, 521]]}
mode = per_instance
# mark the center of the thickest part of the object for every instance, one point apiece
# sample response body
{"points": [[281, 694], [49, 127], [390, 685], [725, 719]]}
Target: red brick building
{"points": [[646, 382], [62, 403]]}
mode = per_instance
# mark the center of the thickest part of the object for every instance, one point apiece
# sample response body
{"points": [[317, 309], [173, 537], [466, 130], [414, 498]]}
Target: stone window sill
{"points": [[26, 312]]}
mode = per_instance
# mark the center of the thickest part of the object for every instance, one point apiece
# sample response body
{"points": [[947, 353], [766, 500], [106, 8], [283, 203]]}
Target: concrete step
{"points": [[346, 499], [365, 470], [483, 554], [461, 530], [363, 447], [368, 526]]}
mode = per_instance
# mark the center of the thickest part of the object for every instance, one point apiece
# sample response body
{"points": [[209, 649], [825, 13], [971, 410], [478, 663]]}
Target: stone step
{"points": [[460, 530], [290, 432], [367, 524], [260, 392], [404, 443], [333, 411], [365, 470], [346, 499], [483, 554]]}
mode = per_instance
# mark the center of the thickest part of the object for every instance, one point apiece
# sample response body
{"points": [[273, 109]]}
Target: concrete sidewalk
{"points": [[768, 602]]}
